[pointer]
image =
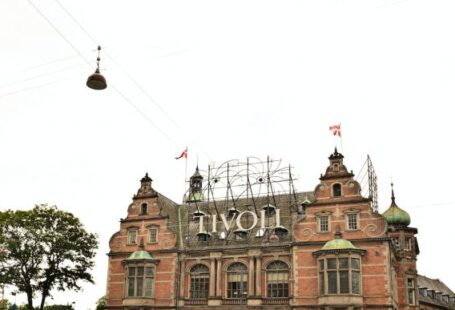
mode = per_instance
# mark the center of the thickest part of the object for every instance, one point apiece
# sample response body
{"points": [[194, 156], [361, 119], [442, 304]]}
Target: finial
{"points": [[336, 151], [338, 232], [393, 194], [98, 60]]}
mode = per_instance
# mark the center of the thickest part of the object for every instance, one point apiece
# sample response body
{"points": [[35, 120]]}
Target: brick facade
{"points": [[327, 249]]}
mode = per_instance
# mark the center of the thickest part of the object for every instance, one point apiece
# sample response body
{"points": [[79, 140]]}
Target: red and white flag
{"points": [[184, 154], [336, 130]]}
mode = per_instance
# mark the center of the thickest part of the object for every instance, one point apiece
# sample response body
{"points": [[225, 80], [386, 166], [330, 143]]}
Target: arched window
{"points": [[237, 284], [199, 282], [336, 190], [144, 208], [139, 281], [277, 279]]}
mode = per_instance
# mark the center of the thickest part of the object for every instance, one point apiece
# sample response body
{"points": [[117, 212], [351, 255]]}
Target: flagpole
{"points": [[186, 173], [341, 141]]}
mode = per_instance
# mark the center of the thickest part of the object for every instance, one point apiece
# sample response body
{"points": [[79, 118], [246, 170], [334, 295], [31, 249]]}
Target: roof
{"points": [[287, 204], [438, 287], [140, 255], [338, 244]]}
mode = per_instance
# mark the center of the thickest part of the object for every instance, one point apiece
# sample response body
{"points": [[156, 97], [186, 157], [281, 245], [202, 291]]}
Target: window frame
{"points": [[193, 275], [319, 224], [325, 281], [241, 286], [149, 230], [338, 191], [144, 206], [277, 288], [130, 231], [143, 283], [410, 290]]}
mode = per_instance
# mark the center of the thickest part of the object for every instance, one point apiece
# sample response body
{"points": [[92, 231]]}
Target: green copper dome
{"points": [[394, 215], [338, 244], [140, 255]]}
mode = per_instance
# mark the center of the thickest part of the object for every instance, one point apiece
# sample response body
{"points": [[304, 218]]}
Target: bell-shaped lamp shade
{"points": [[96, 81]]}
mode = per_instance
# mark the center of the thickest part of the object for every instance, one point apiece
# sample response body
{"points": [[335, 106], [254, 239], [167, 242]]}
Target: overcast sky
{"points": [[228, 79]]}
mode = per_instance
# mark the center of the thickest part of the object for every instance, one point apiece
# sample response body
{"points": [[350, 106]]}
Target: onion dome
{"points": [[395, 216]]}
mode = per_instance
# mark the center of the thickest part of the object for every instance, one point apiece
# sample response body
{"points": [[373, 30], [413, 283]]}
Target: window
{"points": [[199, 282], [339, 275], [140, 281], [408, 244], [144, 208], [353, 222], [323, 223], [277, 279], [410, 284], [132, 235], [336, 190], [423, 291], [237, 281], [152, 234]]}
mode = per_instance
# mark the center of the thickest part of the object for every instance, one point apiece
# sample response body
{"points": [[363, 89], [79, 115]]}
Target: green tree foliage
{"points": [[3, 304], [101, 303], [44, 249]]}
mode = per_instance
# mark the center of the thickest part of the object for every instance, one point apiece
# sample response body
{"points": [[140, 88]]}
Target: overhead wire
{"points": [[39, 76], [122, 95], [131, 78]]}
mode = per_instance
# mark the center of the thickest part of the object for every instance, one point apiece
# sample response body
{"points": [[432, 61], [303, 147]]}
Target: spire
{"points": [[394, 215], [393, 194], [146, 190], [195, 191]]}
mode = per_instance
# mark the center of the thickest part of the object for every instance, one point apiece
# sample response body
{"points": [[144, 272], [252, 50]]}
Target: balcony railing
{"points": [[276, 301], [235, 301], [195, 302]]}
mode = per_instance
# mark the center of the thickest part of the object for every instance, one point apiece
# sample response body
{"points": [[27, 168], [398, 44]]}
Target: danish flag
{"points": [[336, 130], [184, 154]]}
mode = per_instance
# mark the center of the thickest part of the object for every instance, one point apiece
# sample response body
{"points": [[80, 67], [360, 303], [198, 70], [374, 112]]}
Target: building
{"points": [[245, 239]]}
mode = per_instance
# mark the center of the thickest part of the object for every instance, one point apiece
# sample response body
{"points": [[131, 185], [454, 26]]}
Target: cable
{"points": [[38, 76], [33, 87], [88, 63], [135, 82]]}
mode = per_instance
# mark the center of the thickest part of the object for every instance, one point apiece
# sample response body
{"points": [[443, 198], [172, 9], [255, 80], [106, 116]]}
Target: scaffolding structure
{"points": [[251, 189], [368, 181]]}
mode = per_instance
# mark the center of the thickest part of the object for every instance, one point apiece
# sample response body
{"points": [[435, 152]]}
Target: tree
{"points": [[3, 304], [44, 249], [101, 303]]}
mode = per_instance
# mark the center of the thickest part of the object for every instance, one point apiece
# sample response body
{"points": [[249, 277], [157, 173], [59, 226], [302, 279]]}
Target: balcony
{"points": [[276, 301], [195, 302]]}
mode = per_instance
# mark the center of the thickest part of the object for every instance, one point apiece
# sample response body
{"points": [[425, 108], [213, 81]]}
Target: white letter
{"points": [[262, 219], [277, 217], [213, 223], [255, 220], [201, 225], [227, 226]]}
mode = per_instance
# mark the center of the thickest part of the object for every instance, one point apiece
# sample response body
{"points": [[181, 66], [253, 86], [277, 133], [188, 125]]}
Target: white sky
{"points": [[237, 79]]}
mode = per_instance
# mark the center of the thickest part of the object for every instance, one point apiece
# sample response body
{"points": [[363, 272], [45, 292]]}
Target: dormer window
{"points": [[336, 190], [143, 209]]}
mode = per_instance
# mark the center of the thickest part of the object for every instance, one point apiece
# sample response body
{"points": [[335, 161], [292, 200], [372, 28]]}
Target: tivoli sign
{"points": [[237, 219]]}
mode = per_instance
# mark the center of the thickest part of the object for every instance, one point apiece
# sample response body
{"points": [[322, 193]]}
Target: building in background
{"points": [[245, 239]]}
